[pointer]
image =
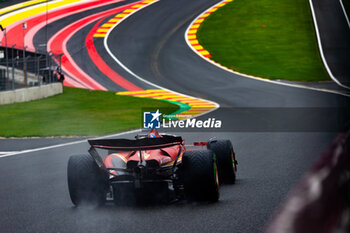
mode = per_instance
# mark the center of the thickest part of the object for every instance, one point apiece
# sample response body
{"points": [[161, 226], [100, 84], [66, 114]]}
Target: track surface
{"points": [[34, 195], [335, 38], [34, 191]]}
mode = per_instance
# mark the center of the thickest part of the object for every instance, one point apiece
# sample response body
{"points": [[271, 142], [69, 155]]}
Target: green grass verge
{"points": [[271, 39], [77, 112]]}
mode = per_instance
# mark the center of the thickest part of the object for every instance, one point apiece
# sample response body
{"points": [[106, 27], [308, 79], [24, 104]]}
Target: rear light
{"points": [[200, 143]]}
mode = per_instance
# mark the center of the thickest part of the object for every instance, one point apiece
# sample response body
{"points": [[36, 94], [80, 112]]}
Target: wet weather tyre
{"points": [[87, 183], [200, 176], [225, 156]]}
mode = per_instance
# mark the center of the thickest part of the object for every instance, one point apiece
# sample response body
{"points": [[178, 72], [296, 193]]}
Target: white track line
{"points": [[31, 7], [344, 11], [260, 79], [68, 143], [320, 47], [7, 152], [137, 76], [28, 8]]}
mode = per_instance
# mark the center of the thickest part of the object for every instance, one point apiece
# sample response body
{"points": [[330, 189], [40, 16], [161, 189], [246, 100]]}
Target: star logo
{"points": [[156, 115], [151, 120]]}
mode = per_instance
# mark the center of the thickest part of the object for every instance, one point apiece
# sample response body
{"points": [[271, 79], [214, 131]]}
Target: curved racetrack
{"points": [[34, 195]]}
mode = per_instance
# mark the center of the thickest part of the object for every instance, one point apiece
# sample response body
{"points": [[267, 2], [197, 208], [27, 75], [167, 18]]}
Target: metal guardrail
{"points": [[20, 68]]}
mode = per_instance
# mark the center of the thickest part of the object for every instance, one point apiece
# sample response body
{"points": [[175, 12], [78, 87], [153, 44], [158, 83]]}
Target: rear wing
{"points": [[136, 144], [131, 145]]}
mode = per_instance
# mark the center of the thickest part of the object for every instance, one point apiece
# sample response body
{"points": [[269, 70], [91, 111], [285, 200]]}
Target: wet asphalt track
{"points": [[335, 38], [34, 195]]}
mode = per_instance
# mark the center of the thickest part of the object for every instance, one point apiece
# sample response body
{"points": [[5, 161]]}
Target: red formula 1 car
{"points": [[153, 166]]}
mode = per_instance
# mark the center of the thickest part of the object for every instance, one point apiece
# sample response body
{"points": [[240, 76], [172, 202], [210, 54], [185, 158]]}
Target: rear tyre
{"points": [[87, 183], [225, 156], [200, 176]]}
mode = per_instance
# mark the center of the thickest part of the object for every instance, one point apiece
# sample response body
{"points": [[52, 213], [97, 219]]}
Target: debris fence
{"points": [[20, 68]]}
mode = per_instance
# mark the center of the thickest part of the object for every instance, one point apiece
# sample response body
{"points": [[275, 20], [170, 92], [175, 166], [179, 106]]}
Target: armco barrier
{"points": [[30, 93], [321, 201]]}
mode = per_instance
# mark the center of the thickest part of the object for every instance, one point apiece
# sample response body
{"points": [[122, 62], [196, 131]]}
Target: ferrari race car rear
{"points": [[146, 169]]}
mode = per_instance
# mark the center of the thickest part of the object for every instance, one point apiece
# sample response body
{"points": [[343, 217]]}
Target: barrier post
{"points": [[25, 68], [13, 67], [38, 69], [7, 55]]}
